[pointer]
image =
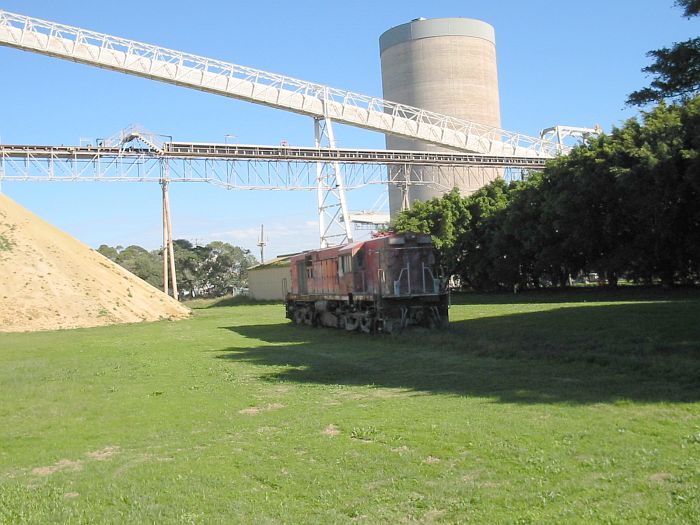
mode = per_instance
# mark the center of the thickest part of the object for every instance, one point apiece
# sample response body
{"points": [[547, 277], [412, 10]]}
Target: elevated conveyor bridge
{"points": [[237, 166], [261, 87]]}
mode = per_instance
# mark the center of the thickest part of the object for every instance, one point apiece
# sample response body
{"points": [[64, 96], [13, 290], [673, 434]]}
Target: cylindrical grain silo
{"points": [[446, 65]]}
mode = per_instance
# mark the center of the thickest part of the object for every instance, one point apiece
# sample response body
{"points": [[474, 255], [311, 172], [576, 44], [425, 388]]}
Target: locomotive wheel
{"points": [[367, 324], [298, 316], [433, 318], [351, 323], [436, 320], [391, 326], [309, 316]]}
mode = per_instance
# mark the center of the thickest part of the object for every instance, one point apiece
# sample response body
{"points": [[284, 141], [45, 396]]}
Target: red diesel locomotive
{"points": [[379, 285]]}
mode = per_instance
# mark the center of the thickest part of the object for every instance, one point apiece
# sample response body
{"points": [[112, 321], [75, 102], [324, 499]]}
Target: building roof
{"points": [[281, 261]]}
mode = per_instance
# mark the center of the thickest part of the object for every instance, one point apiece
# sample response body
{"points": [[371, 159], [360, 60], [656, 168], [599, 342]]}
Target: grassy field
{"points": [[581, 407]]}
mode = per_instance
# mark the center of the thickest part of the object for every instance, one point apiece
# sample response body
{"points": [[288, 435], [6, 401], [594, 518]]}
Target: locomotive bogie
{"points": [[368, 317]]}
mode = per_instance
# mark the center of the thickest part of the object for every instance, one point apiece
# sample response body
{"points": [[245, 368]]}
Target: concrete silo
{"points": [[446, 65]]}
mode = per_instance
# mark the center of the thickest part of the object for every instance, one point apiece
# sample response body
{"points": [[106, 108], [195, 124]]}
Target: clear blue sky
{"points": [[559, 63]]}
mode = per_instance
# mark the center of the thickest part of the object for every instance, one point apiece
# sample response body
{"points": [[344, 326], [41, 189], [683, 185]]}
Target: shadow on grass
{"points": [[628, 293], [580, 354]]}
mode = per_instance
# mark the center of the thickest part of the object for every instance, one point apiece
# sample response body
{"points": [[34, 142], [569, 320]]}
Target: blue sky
{"points": [[565, 63]]}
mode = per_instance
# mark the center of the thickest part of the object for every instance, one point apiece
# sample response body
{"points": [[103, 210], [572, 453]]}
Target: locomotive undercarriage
{"points": [[370, 315]]}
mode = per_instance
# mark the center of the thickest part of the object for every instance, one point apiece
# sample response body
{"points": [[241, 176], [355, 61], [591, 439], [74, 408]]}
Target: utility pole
{"points": [[262, 243]]}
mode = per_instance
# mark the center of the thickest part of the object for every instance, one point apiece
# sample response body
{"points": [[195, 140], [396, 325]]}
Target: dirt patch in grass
{"points": [[104, 454], [660, 476], [76, 465], [433, 515], [59, 466], [331, 430], [253, 411]]}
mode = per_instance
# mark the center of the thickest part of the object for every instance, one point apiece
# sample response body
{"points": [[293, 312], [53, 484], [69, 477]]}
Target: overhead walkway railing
{"points": [[261, 87]]}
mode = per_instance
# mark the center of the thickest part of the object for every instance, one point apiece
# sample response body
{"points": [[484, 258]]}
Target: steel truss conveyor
{"points": [[249, 167], [261, 87]]}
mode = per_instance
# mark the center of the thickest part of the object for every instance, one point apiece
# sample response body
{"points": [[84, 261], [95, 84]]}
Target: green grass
{"points": [[579, 407]]}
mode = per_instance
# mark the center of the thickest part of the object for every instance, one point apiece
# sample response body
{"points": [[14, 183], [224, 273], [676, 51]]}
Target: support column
{"points": [[319, 188], [333, 217], [171, 250], [168, 249], [164, 186]]}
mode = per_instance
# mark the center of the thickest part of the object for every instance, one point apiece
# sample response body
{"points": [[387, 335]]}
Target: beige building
{"points": [[270, 281]]}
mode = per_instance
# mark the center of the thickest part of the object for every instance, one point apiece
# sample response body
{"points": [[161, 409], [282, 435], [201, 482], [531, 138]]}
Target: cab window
{"points": [[360, 260]]}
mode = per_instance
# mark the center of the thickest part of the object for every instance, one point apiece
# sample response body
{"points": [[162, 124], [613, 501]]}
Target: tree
{"points": [[676, 70], [142, 263], [626, 204], [225, 268], [109, 252], [475, 243], [212, 270], [188, 262], [517, 244], [662, 191], [691, 7]]}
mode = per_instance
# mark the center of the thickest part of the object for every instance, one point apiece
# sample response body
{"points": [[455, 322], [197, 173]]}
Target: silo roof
{"points": [[426, 28]]}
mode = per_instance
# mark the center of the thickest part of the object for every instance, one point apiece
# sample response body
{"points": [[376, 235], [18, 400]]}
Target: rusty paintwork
{"points": [[389, 266]]}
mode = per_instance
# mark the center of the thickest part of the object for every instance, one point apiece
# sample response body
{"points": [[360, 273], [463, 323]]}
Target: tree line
{"points": [[216, 269], [625, 205]]}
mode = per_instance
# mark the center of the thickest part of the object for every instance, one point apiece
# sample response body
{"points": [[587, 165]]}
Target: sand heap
{"points": [[49, 280]]}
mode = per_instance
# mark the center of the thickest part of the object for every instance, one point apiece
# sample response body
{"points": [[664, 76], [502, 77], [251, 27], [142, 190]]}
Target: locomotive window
{"points": [[360, 259], [309, 267], [345, 264]]}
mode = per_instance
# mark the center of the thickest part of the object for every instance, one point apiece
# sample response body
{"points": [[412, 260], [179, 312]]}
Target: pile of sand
{"points": [[49, 280]]}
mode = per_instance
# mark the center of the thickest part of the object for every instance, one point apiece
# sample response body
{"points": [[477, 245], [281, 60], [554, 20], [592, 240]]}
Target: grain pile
{"points": [[49, 280]]}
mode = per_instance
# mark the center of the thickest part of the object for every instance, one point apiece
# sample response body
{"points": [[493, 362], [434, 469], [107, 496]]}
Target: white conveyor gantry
{"points": [[260, 87]]}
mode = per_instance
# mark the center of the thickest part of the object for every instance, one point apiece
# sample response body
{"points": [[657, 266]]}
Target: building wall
{"points": [[266, 284], [446, 65]]}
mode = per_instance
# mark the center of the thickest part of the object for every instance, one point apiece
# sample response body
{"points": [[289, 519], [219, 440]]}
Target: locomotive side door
{"points": [[383, 273], [301, 275]]}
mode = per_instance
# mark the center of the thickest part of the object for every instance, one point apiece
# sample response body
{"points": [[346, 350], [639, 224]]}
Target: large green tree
{"points": [[142, 263], [225, 268], [212, 270], [675, 70], [658, 168]]}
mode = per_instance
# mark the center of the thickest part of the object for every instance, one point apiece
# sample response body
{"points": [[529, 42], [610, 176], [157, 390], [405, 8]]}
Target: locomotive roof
{"points": [[352, 248]]}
